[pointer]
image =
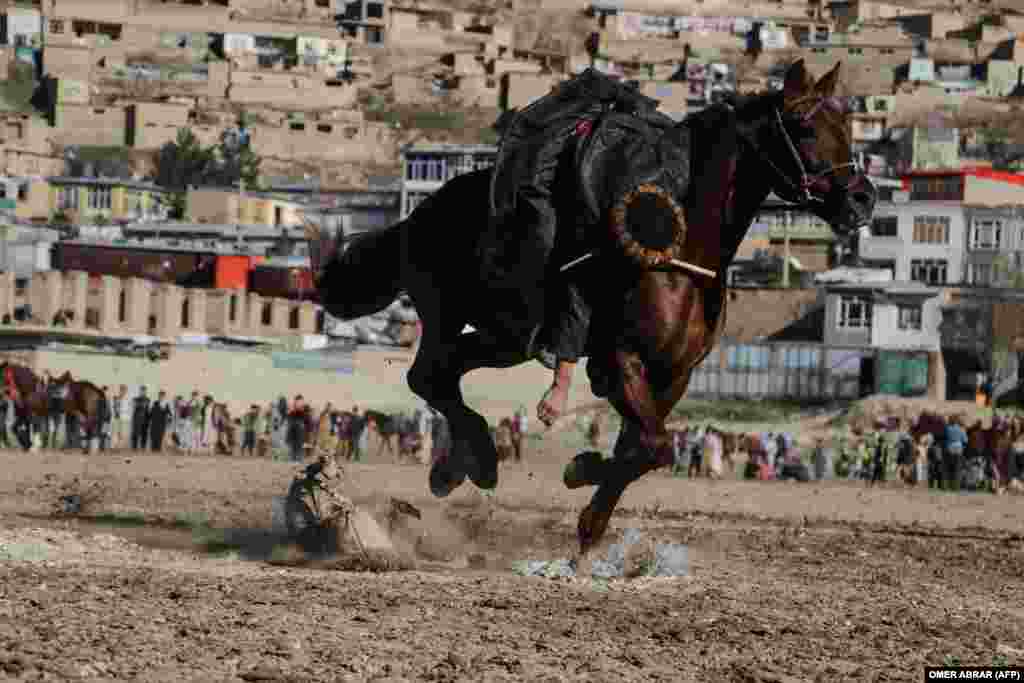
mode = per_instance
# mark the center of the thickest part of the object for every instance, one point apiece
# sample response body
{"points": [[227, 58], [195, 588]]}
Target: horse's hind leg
{"points": [[473, 452]]}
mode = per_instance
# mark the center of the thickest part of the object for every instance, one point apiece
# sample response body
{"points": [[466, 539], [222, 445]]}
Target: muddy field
{"points": [[789, 582]]}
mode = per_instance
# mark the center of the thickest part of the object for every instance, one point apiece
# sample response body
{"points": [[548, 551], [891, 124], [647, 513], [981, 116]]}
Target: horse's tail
{"points": [[358, 276]]}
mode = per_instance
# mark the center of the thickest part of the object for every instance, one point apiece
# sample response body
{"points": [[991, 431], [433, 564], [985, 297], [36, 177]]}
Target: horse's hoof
{"points": [[444, 479], [586, 469]]}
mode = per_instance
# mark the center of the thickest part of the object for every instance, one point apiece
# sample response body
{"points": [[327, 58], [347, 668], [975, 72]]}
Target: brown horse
{"points": [[28, 394], [652, 325], [84, 401]]}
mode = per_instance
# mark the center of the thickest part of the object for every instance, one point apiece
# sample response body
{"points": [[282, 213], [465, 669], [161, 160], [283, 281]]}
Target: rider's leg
{"points": [[567, 332]]}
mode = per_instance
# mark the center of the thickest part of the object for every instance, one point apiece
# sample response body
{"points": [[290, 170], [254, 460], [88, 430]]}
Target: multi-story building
{"points": [[993, 244], [948, 227], [896, 327], [425, 168], [216, 205], [107, 199]]}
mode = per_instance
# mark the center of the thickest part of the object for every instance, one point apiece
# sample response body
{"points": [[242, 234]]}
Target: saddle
{"points": [[539, 133]]}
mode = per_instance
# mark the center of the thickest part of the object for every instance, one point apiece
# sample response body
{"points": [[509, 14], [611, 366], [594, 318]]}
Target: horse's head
{"points": [[805, 141]]}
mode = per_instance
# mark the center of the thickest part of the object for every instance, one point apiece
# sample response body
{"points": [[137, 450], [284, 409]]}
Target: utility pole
{"points": [[787, 218]]}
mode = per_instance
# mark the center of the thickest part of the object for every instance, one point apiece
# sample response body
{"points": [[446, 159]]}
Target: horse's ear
{"points": [[795, 84], [826, 85]]}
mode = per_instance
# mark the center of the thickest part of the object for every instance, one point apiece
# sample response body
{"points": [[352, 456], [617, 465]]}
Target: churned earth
{"points": [[169, 573]]}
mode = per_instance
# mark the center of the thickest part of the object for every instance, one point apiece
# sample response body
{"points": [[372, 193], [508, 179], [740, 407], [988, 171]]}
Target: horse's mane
{"points": [[754, 105]]}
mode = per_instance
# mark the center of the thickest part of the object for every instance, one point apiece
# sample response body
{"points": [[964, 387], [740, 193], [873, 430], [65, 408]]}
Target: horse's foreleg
{"points": [[643, 445]]}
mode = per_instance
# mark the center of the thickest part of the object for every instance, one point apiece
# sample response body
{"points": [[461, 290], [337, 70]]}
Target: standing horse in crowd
{"points": [[85, 402], [31, 403], [655, 319]]}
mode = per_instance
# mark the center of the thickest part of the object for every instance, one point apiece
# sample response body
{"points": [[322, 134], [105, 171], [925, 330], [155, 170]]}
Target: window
{"points": [[948, 188], [415, 169], [981, 274], [374, 35], [931, 229], [887, 51], [929, 271], [324, 127], [374, 10], [885, 226], [297, 126], [806, 358], [742, 357], [56, 26], [67, 198], [854, 313], [909, 318], [436, 170], [881, 105], [856, 51], [986, 233], [99, 198]]}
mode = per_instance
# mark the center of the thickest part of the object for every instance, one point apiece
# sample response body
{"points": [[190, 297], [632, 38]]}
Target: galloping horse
{"points": [[31, 404], [653, 324], [85, 401]]}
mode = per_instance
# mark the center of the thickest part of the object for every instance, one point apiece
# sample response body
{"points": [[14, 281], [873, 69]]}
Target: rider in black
{"points": [[543, 306]]}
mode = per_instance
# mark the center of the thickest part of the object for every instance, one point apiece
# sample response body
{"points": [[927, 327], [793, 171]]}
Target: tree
{"points": [[183, 162], [234, 160]]}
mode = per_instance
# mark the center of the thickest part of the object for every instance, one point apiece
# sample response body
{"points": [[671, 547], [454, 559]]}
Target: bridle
{"points": [[803, 188]]}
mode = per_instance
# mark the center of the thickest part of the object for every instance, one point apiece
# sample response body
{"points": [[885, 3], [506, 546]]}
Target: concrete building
{"points": [[222, 206], [106, 199], [108, 305], [350, 210], [363, 20], [917, 240], [994, 245], [425, 168], [900, 322], [946, 227]]}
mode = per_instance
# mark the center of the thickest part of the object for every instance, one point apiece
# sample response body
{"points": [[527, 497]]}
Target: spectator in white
{"points": [[713, 453], [174, 426], [120, 420], [188, 436]]}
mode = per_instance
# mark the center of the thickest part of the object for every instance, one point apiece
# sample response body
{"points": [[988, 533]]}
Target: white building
{"points": [[425, 168], [920, 241]]}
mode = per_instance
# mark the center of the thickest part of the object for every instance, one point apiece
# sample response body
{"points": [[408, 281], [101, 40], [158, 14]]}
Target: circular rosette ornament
{"points": [[649, 226]]}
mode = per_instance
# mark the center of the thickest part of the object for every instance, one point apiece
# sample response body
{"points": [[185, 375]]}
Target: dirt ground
{"points": [[789, 582]]}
